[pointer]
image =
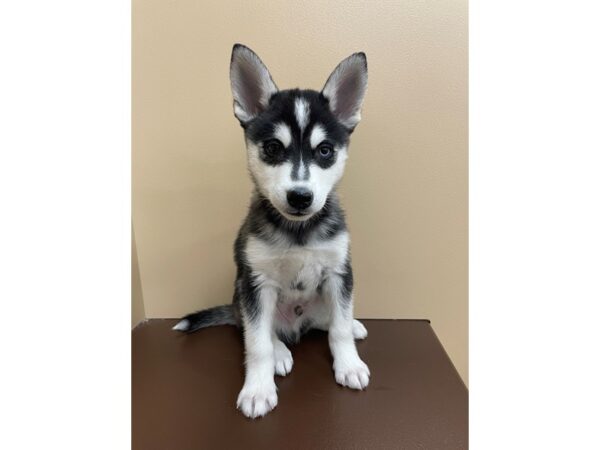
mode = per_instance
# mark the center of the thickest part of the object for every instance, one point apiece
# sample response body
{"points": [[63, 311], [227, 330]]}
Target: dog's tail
{"points": [[211, 317]]}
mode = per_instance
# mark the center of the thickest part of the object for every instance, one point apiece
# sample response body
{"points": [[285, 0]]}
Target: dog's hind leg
{"points": [[283, 357], [358, 330]]}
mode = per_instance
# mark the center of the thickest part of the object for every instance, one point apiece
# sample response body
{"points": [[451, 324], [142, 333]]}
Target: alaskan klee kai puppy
{"points": [[293, 250]]}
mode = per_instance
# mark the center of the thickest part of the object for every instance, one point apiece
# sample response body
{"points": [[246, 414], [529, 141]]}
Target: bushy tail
{"points": [[219, 315]]}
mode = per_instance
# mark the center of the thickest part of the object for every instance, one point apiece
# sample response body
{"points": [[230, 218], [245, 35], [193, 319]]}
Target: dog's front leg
{"points": [[259, 394], [349, 369]]}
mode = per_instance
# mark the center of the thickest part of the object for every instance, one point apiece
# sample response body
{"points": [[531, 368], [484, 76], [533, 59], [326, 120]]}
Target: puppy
{"points": [[293, 249]]}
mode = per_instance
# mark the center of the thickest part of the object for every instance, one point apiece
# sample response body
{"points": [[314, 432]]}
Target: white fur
{"points": [[317, 135], [283, 133], [269, 179], [275, 181], [322, 181], [283, 358], [349, 369], [259, 393], [183, 325], [302, 170], [279, 264], [358, 330], [240, 113], [302, 112]]}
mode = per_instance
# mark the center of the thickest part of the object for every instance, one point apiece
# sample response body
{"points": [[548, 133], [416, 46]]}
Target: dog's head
{"points": [[297, 140]]}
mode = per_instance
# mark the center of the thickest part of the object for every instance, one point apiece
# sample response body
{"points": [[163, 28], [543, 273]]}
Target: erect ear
{"points": [[251, 83], [345, 89]]}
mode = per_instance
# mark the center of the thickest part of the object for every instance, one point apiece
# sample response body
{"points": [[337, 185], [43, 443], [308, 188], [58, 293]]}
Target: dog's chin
{"points": [[297, 216]]}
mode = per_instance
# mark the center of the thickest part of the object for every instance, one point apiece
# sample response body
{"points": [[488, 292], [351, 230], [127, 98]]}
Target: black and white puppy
{"points": [[293, 250]]}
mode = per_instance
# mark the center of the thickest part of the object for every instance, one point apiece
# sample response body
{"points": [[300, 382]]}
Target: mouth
{"points": [[296, 215]]}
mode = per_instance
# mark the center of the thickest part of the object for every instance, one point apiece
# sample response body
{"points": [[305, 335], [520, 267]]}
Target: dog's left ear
{"points": [[345, 89], [251, 84]]}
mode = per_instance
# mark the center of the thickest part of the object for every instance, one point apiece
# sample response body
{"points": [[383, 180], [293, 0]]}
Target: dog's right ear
{"points": [[251, 84]]}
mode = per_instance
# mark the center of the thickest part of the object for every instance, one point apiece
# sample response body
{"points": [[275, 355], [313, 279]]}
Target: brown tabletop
{"points": [[184, 389]]}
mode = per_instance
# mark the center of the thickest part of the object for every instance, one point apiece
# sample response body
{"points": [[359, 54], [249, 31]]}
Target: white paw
{"points": [[256, 401], [353, 374], [283, 359], [358, 330]]}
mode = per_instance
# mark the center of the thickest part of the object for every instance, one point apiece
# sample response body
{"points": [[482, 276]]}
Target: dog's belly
{"points": [[295, 315]]}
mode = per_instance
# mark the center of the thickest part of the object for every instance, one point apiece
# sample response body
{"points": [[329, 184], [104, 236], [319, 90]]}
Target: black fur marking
{"points": [[322, 282], [306, 326], [347, 282], [246, 289], [296, 169], [299, 286], [320, 286], [275, 159], [282, 107], [288, 337], [251, 304]]}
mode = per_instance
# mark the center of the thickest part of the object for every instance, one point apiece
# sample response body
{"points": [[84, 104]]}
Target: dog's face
{"points": [[297, 140]]}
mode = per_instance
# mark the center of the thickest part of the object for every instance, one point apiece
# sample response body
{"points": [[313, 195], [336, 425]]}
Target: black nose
{"points": [[299, 198]]}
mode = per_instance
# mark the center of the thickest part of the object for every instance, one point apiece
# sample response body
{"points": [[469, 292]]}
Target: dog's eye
{"points": [[325, 151], [272, 147]]}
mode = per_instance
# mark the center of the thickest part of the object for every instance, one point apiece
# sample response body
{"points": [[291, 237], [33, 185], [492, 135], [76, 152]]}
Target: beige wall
{"points": [[137, 300], [405, 187]]}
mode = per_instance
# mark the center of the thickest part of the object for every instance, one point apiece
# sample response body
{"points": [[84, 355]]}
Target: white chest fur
{"points": [[294, 270]]}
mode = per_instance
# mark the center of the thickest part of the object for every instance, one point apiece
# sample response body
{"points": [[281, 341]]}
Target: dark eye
{"points": [[273, 147], [325, 151]]}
